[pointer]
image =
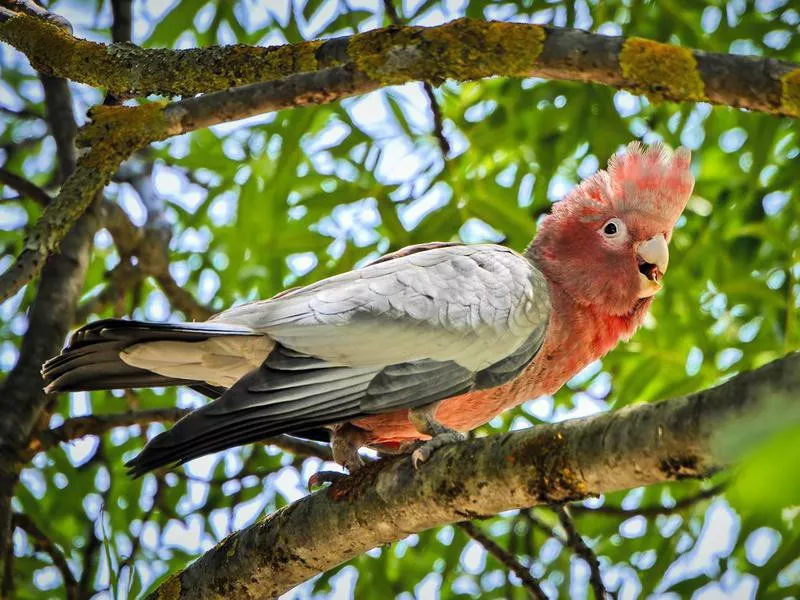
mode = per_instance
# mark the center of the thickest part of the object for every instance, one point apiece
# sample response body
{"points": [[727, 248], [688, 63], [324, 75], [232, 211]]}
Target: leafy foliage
{"points": [[292, 197]]}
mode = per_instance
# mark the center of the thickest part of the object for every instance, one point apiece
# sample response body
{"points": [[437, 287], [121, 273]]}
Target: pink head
{"points": [[605, 244]]}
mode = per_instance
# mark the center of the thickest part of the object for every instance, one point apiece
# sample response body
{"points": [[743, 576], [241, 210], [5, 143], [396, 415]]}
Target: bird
{"points": [[412, 351]]}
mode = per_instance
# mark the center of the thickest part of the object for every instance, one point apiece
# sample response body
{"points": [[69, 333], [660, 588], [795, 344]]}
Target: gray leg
{"points": [[422, 419], [345, 443]]}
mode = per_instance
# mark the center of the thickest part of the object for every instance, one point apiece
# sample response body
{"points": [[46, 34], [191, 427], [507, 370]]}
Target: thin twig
{"points": [[43, 543], [391, 12], [438, 127], [150, 244], [237, 495], [300, 447], [181, 299], [529, 582], [23, 113], [78, 427], [652, 511], [575, 541], [24, 187], [542, 526], [130, 240], [146, 518], [122, 277], [8, 584]]}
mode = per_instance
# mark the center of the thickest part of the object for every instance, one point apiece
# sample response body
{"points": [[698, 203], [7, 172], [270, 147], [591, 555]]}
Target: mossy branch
{"points": [[116, 132], [388, 500], [93, 171], [464, 49]]}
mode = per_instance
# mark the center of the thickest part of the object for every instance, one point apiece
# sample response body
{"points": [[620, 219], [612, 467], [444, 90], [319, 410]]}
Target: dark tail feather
{"points": [[264, 403], [91, 359]]}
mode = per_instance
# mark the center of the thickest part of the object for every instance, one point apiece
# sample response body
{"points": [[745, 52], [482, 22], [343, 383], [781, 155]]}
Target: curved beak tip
{"points": [[655, 252]]}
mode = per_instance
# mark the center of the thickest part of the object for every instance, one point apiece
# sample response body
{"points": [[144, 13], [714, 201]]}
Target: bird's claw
{"points": [[321, 477], [426, 449]]}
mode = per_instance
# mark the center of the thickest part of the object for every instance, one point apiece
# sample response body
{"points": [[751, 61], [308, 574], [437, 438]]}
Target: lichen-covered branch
{"points": [[388, 499], [463, 49]]}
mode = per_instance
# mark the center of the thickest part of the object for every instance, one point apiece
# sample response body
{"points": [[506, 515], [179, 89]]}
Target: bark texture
{"points": [[388, 500], [463, 49]]}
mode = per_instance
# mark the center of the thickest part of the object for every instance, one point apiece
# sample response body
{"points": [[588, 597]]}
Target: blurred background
{"points": [[284, 199]]}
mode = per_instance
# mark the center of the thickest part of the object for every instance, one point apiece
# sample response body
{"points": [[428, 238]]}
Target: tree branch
{"points": [[387, 500], [579, 546], [41, 542], [463, 49], [78, 427], [28, 7], [22, 400], [652, 511], [438, 128], [118, 131], [506, 558], [24, 187]]}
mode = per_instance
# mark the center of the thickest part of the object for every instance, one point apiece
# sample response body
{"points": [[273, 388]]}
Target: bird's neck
{"points": [[578, 334]]}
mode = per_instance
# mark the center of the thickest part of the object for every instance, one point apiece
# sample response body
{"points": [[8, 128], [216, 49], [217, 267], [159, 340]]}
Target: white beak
{"points": [[653, 258]]}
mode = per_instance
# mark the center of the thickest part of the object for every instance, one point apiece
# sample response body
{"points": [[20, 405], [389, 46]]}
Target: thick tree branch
{"points": [[387, 500], [22, 400], [463, 49]]}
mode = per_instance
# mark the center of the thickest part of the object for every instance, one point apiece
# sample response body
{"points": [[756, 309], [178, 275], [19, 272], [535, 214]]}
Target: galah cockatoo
{"points": [[416, 348]]}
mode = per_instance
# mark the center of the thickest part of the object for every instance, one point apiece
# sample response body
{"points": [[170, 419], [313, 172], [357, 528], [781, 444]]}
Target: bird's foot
{"points": [[345, 442], [423, 420], [424, 451]]}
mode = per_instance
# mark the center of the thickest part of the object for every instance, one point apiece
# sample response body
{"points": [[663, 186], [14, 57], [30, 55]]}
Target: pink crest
{"points": [[648, 179]]}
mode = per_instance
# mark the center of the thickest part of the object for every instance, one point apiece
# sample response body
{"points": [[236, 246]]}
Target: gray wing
{"points": [[401, 333], [471, 304]]}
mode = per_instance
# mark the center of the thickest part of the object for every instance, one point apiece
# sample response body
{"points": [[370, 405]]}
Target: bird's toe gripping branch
{"points": [[423, 420], [345, 443]]}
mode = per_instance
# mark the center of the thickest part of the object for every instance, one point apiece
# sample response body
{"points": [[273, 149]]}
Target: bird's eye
{"points": [[613, 228]]}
